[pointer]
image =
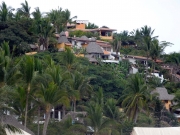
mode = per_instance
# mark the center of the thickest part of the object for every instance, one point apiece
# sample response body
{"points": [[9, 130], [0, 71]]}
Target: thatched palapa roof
{"points": [[93, 47], [7, 119], [163, 94], [62, 38]]}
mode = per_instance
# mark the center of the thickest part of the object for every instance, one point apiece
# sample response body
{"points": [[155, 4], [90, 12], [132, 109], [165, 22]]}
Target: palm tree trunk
{"points": [[136, 116], [147, 67], [74, 105], [26, 109], [38, 118], [64, 109], [46, 121]]}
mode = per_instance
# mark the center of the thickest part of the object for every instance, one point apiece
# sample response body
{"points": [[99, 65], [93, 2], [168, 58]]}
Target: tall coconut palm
{"points": [[55, 17], [5, 12], [4, 99], [79, 88], [49, 95], [147, 41], [173, 58], [8, 68], [135, 97], [25, 9], [69, 60], [111, 110], [37, 15], [28, 75], [120, 39], [19, 103], [43, 29], [98, 122], [136, 37], [66, 16], [91, 26]]}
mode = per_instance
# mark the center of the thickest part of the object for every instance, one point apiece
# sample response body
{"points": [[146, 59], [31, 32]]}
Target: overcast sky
{"points": [[161, 15]]}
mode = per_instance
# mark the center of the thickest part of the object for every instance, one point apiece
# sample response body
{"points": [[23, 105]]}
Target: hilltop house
{"points": [[79, 42], [63, 42], [164, 97], [104, 32], [134, 60]]}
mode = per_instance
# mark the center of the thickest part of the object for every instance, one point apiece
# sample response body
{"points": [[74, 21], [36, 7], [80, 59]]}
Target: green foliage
{"points": [[18, 35], [135, 96], [91, 26], [79, 33], [157, 113]]}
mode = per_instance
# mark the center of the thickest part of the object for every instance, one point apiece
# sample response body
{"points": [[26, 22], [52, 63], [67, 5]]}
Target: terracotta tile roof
{"points": [[106, 52], [69, 44], [104, 45], [98, 29], [57, 35], [105, 29], [143, 58], [159, 61]]}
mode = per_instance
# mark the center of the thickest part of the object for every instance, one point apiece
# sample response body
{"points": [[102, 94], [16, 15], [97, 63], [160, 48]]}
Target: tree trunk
{"points": [[38, 118], [136, 116], [26, 109], [147, 67], [47, 117], [74, 105], [64, 109]]}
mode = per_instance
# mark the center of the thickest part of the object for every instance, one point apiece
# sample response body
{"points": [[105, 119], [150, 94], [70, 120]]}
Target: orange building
{"points": [[105, 33], [63, 42]]}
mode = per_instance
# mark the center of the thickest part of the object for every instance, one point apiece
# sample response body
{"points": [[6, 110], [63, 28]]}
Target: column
{"points": [[59, 115]]}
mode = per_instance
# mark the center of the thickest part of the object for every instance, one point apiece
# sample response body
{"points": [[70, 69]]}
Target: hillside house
{"points": [[63, 42], [105, 33], [164, 97]]}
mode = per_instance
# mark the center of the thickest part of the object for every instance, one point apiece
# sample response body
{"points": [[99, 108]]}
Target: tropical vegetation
{"points": [[111, 99]]}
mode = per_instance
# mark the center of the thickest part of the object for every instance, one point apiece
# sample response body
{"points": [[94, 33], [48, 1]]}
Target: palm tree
{"points": [[49, 95], [5, 12], [147, 38], [98, 122], [19, 103], [91, 26], [37, 15], [28, 75], [55, 17], [68, 59], [135, 97], [25, 9], [173, 58], [111, 110], [43, 29], [9, 72], [66, 16], [4, 99], [120, 39], [79, 88]]}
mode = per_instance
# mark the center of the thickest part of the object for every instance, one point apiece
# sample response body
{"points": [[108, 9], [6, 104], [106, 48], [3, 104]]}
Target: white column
{"points": [[59, 115]]}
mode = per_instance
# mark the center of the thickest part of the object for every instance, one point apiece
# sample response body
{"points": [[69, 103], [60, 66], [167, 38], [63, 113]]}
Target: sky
{"points": [[161, 15]]}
